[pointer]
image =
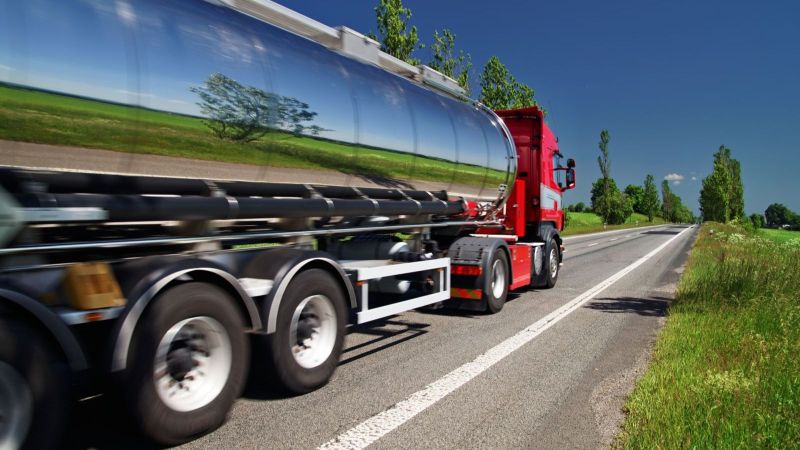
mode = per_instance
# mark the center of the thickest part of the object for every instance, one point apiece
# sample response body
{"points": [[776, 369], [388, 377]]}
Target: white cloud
{"points": [[675, 178], [126, 13], [694, 178]]}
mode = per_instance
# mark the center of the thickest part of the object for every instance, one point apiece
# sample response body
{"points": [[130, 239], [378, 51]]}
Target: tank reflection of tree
{"points": [[246, 113]]}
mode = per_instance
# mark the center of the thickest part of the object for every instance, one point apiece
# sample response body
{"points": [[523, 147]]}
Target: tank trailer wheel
{"points": [[188, 363], [34, 387], [309, 334]]}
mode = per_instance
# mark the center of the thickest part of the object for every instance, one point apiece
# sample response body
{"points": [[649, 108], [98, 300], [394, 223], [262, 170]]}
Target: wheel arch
{"points": [[153, 283], [50, 324], [292, 263], [490, 245], [281, 265]]}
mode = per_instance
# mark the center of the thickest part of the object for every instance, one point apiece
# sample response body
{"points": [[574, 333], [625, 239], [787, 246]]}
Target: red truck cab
{"points": [[542, 177]]}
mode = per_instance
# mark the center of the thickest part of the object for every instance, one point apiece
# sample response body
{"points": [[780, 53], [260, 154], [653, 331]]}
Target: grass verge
{"points": [[587, 222], [779, 235], [725, 370]]}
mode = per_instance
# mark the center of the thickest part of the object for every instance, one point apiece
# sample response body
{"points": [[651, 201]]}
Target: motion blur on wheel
{"points": [[178, 206]]}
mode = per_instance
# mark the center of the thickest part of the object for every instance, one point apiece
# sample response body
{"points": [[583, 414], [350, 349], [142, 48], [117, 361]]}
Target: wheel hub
{"points": [[179, 360], [192, 363], [498, 279], [313, 331]]}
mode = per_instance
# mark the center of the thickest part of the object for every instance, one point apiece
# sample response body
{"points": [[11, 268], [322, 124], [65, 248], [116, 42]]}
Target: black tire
{"points": [[552, 261], [33, 360], [493, 298], [156, 419], [289, 373]]}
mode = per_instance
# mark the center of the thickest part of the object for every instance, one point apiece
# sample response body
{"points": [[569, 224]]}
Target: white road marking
{"points": [[600, 233], [592, 244], [379, 425], [612, 240]]}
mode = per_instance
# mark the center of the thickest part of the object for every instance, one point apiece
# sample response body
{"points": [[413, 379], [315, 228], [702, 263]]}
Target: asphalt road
{"points": [[563, 388]]}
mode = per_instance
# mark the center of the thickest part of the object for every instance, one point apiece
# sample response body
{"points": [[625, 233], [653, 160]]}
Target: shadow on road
{"points": [[664, 232], [408, 331], [99, 423], [653, 306]]}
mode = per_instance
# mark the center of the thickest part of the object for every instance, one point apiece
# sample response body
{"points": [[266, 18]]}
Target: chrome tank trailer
{"points": [[196, 89]]}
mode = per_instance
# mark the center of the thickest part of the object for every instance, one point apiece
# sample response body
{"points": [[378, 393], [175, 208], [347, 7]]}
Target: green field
{"points": [[779, 235], [725, 370], [588, 222], [43, 117]]}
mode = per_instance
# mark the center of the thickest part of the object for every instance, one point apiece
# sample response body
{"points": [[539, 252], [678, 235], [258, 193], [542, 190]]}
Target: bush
{"points": [[757, 220]]}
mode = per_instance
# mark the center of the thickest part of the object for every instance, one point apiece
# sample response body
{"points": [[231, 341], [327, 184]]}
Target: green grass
{"points": [[588, 222], [43, 117], [725, 370], [779, 235]]}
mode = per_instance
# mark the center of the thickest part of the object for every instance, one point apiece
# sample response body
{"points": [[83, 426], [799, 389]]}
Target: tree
{"points": [[667, 201], [500, 90], [598, 193], [601, 201], [722, 194], [395, 39], [635, 194], [778, 215], [579, 207], [609, 203], [757, 220], [649, 203], [245, 113], [620, 208], [447, 62], [521, 94]]}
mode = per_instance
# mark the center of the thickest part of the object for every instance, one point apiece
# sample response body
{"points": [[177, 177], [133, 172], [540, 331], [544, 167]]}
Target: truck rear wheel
{"points": [[34, 387], [496, 290], [309, 334], [188, 363]]}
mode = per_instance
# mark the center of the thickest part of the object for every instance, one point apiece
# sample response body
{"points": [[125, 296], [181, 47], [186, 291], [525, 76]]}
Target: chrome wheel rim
{"points": [[498, 278], [192, 363], [553, 263], [16, 407], [313, 331]]}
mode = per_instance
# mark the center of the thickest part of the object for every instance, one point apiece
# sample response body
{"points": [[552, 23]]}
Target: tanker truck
{"points": [[194, 192]]}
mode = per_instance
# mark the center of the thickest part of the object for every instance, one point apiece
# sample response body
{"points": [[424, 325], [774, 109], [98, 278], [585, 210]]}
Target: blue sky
{"points": [[671, 81]]}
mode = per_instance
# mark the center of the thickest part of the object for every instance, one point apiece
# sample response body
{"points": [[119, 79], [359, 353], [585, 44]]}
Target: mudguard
{"points": [[51, 323], [281, 265], [142, 280], [478, 251]]}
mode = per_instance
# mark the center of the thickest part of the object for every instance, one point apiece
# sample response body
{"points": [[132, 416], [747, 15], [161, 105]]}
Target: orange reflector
{"points": [[473, 271], [93, 316], [360, 283]]}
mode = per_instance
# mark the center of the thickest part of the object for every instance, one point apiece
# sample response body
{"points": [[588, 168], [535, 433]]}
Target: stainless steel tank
{"points": [[193, 89]]}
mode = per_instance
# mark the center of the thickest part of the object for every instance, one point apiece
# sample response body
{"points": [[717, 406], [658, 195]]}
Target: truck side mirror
{"points": [[570, 176], [571, 163]]}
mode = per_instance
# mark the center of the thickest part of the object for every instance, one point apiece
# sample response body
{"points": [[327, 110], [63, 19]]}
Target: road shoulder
{"points": [[592, 414]]}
